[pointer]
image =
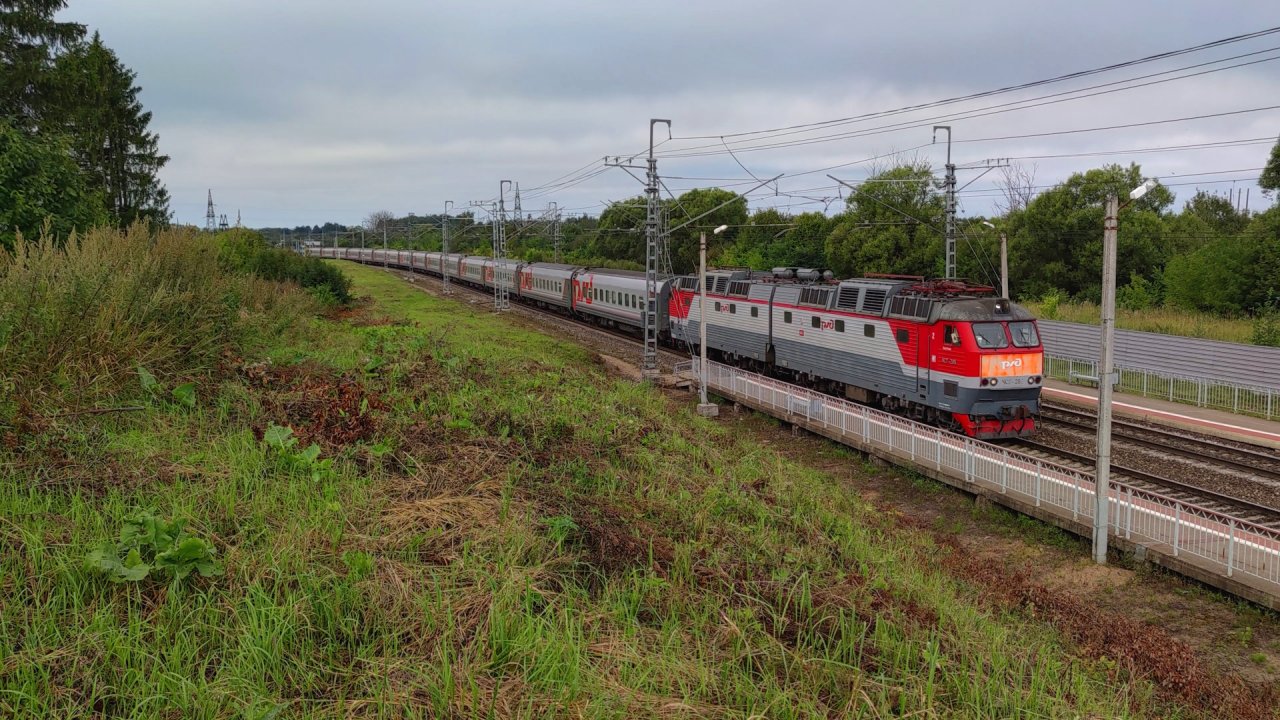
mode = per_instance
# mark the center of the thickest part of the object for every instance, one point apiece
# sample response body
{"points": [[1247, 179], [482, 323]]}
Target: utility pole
{"points": [[705, 408], [1004, 265], [1004, 261], [950, 188], [1102, 476], [554, 211], [384, 242], [653, 237], [501, 298], [444, 246]]}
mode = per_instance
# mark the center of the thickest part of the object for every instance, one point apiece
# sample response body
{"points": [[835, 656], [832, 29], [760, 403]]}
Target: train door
{"points": [[925, 347]]}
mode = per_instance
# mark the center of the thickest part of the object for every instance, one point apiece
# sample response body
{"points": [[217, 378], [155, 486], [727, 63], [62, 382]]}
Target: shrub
{"points": [[77, 319], [1266, 327], [247, 251]]}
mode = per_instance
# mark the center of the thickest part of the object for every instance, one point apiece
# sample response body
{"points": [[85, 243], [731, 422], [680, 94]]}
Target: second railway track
{"points": [[1260, 463]]}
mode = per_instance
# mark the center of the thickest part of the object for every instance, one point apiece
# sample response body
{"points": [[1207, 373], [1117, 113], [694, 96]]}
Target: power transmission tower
{"points": [[501, 291], [519, 213], [210, 219], [652, 238], [554, 211], [949, 187], [222, 222], [949, 184], [238, 219], [444, 246]]}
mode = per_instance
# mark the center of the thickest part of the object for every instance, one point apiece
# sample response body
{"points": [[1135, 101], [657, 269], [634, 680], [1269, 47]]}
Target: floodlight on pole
{"points": [[1004, 261], [1106, 367], [705, 408], [1142, 189]]}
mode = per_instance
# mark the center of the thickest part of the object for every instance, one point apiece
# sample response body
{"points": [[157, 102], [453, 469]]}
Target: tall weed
{"points": [[77, 318]]}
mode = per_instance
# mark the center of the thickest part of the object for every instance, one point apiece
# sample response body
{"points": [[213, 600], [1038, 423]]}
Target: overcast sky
{"points": [[302, 112]]}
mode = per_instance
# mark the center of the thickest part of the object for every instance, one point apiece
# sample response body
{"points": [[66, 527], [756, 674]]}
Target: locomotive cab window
{"points": [[990, 336], [950, 335], [903, 335], [1024, 334]]}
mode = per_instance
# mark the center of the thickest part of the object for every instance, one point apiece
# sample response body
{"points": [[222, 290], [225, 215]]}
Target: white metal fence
{"points": [[1241, 399], [1229, 546]]}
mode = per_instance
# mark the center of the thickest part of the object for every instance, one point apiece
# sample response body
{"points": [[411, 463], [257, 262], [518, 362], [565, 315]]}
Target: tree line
{"points": [[1209, 255], [75, 149]]}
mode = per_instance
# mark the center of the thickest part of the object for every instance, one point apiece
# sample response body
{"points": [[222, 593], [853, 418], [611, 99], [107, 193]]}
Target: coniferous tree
{"points": [[108, 129], [29, 36]]}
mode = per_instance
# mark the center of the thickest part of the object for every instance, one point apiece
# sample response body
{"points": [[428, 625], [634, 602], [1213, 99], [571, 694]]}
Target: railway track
{"points": [[1259, 464], [1178, 489], [1187, 492]]}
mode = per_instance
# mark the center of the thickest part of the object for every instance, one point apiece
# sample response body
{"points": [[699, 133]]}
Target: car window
{"points": [[990, 335], [1024, 334]]}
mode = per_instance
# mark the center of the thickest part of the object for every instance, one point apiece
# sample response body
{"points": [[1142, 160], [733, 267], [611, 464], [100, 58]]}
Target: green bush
{"points": [[1266, 327], [247, 251], [78, 318], [151, 546]]}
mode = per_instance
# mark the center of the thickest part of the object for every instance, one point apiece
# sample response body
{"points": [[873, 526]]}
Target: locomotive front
{"points": [[992, 347]]}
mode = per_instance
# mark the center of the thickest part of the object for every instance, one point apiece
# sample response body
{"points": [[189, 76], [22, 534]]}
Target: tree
{"points": [[1231, 275], [39, 184], [714, 207], [1017, 187], [29, 35], [108, 130], [1217, 212], [892, 224], [377, 220], [1056, 242], [1269, 181]]}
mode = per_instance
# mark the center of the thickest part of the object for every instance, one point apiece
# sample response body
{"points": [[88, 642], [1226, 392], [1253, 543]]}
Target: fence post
{"points": [[1177, 525], [937, 455], [1075, 501], [1004, 472], [1235, 398], [1039, 475], [1128, 520], [1231, 547]]}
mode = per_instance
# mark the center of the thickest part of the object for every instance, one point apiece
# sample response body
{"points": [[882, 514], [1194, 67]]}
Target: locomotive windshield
{"points": [[1024, 334], [990, 335]]}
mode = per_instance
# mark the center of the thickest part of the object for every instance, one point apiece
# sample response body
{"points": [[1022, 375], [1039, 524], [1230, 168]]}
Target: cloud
{"points": [[305, 112]]}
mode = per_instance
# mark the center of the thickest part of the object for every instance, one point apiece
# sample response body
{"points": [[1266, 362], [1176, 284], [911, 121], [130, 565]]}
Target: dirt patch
{"points": [[361, 313], [321, 406]]}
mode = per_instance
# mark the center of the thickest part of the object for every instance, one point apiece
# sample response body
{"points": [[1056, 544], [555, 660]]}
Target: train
{"points": [[947, 352]]}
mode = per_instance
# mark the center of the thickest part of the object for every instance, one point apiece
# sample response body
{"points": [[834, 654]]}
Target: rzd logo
{"points": [[1006, 364]]}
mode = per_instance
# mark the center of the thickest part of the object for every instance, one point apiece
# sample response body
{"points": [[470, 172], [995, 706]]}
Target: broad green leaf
{"points": [[148, 381], [185, 394], [309, 455], [278, 437]]}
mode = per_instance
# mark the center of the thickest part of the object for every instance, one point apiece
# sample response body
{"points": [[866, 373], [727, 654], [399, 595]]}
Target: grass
{"points": [[501, 530], [1168, 321]]}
